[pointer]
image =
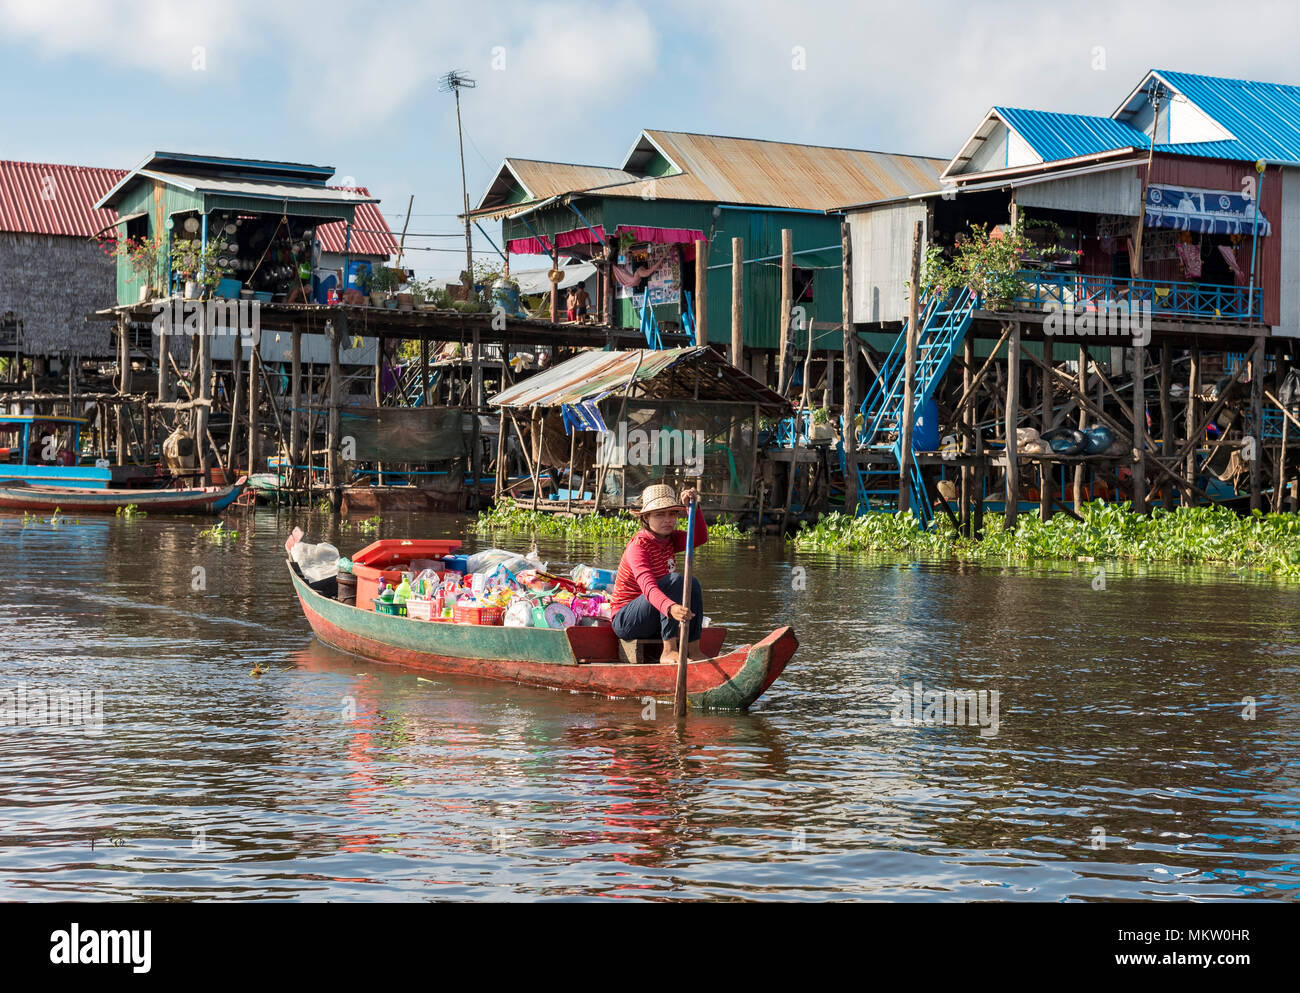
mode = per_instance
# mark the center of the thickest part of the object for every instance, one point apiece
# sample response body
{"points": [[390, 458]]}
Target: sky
{"points": [[355, 86]]}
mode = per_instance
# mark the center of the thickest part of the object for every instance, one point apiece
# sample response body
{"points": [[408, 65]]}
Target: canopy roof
{"points": [[697, 373]]}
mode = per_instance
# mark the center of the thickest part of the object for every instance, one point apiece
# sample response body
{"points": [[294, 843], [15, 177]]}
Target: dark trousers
{"points": [[640, 620]]}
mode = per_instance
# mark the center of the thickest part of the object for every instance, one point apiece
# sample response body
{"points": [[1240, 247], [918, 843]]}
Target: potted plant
{"points": [[989, 262], [380, 283], [197, 266], [821, 424], [144, 258]]}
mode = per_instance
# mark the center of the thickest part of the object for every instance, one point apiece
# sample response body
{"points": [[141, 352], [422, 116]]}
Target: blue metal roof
{"points": [[1065, 136], [1263, 117]]}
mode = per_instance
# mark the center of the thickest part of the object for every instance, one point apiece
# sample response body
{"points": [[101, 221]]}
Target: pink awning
{"points": [[662, 236], [565, 239]]}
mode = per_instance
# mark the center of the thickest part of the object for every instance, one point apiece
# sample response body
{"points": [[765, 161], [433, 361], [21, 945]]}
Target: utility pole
{"points": [[453, 82]]}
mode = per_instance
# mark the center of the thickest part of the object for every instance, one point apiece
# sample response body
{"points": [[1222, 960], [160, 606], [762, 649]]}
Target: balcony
{"points": [[1196, 301]]}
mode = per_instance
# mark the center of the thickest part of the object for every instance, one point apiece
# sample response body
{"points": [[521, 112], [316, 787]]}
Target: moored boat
{"points": [[580, 659], [200, 500]]}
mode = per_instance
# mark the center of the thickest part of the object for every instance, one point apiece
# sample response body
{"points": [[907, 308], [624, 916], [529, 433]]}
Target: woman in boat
{"points": [[647, 599]]}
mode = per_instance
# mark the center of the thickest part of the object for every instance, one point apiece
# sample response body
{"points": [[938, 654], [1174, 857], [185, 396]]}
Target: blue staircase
{"points": [[944, 322], [650, 327]]}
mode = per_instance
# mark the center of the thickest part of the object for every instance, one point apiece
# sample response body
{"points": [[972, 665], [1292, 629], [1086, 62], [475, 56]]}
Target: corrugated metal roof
{"points": [[370, 232], [1263, 117], [41, 198], [594, 375], [753, 172], [1066, 136], [745, 171], [301, 192]]}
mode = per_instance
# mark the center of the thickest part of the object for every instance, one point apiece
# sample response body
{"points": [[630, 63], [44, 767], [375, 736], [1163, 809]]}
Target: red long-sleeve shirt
{"points": [[646, 560]]}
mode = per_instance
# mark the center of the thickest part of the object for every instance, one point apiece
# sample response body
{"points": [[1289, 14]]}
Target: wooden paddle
{"points": [[683, 627]]}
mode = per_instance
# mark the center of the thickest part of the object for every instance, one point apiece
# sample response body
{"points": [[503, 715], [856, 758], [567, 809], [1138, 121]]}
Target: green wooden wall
{"points": [[761, 232]]}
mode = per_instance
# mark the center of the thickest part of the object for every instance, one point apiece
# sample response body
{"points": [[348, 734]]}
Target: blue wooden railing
{"points": [[1167, 298]]}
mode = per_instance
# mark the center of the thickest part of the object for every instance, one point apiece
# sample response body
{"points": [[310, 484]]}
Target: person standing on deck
{"points": [[647, 598]]}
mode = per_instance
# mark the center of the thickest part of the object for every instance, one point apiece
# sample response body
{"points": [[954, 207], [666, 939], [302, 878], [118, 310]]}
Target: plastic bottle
{"points": [[403, 591], [449, 605]]}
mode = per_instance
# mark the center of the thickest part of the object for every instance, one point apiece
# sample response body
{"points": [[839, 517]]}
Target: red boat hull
{"points": [[537, 657]]}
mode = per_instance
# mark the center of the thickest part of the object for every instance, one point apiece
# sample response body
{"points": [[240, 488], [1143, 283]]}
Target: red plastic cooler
{"points": [[388, 559]]}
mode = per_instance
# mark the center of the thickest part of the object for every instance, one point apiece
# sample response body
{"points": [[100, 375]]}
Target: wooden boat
{"points": [[201, 500], [579, 659]]}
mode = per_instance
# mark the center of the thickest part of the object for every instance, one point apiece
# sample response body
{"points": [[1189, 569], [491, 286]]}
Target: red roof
{"points": [[38, 198], [370, 232]]}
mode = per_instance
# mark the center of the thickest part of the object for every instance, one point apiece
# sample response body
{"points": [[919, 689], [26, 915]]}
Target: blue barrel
{"points": [[505, 294], [925, 427]]}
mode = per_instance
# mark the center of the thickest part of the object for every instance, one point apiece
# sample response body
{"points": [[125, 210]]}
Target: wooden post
{"points": [[555, 287], [164, 344], [737, 301], [1046, 469], [295, 413], [1139, 429], [205, 393], [968, 419], [573, 447], [611, 253], [254, 402], [335, 464], [1257, 421], [909, 375], [1166, 417], [1083, 422], [501, 455], [424, 373], [236, 390], [787, 303], [123, 387], [850, 434], [1012, 495], [1193, 416], [476, 397], [701, 288]]}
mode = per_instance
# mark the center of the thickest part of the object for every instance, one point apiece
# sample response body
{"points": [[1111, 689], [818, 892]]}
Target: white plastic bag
{"points": [[317, 562]]}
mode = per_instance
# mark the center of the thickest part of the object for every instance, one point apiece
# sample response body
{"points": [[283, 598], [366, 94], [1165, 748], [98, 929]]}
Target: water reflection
{"points": [[1128, 762]]}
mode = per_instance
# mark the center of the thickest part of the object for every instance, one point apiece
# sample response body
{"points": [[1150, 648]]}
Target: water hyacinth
{"points": [[1268, 543]]}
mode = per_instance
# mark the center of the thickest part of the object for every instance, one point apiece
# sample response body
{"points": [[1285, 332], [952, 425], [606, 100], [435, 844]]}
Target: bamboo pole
{"points": [[798, 431], [501, 455], [236, 369], [968, 418], [1166, 414]]}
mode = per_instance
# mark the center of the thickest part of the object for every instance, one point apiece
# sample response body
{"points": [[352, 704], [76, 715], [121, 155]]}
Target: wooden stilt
{"points": [[1257, 421], [1139, 411], [295, 415], [1166, 417], [254, 403], [1193, 415], [335, 459], [701, 292], [1045, 467], [202, 436], [738, 302], [1012, 494], [1083, 423], [967, 446], [476, 398], [849, 437], [501, 456], [909, 376], [787, 303]]}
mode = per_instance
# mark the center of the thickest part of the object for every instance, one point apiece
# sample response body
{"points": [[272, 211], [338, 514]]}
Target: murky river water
{"points": [[1125, 763]]}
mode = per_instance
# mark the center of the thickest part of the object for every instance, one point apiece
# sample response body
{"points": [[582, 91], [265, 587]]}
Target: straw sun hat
{"points": [[659, 497]]}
